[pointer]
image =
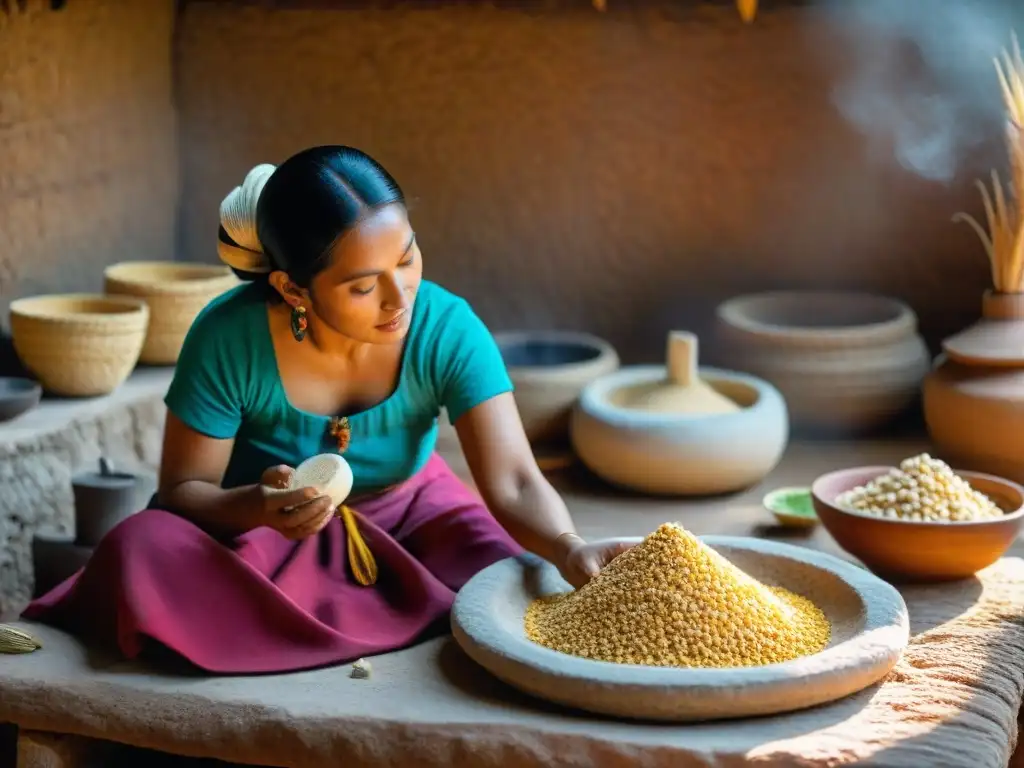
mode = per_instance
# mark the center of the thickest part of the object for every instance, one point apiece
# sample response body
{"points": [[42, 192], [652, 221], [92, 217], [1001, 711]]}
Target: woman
{"points": [[336, 344]]}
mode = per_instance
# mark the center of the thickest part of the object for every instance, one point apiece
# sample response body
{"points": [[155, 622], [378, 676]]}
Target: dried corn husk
{"points": [[1004, 206], [14, 640]]}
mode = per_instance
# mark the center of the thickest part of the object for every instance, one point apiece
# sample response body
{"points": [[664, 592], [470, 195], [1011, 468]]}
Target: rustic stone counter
{"points": [[42, 449], [953, 699]]}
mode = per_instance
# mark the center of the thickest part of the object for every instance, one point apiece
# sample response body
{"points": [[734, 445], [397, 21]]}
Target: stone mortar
{"points": [[870, 629]]}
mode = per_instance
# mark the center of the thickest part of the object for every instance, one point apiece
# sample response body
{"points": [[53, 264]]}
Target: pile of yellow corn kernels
{"points": [[672, 601], [923, 489]]}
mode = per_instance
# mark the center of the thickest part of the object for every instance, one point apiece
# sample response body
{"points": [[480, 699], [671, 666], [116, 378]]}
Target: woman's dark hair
{"points": [[309, 202]]}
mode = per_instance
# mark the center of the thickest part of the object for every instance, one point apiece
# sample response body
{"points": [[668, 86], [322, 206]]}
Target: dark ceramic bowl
{"points": [[17, 396], [907, 550]]}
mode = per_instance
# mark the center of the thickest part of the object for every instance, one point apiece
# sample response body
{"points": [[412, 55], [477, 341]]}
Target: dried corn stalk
{"points": [[1004, 208]]}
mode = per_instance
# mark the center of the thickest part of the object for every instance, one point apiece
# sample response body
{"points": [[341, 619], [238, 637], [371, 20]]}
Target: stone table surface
{"points": [[40, 452], [952, 701]]}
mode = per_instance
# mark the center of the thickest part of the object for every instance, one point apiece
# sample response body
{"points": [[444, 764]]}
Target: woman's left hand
{"points": [[583, 560]]}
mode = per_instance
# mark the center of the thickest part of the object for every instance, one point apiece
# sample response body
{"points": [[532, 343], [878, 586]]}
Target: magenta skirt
{"points": [[262, 603]]}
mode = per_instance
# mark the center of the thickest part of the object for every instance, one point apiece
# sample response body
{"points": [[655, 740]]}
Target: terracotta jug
{"points": [[974, 395]]}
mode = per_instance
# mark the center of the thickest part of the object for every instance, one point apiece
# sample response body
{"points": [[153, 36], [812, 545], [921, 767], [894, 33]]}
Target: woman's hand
{"points": [[294, 514], [581, 560]]}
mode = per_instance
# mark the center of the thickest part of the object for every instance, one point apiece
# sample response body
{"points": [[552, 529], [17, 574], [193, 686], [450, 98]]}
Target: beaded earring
{"points": [[299, 323]]}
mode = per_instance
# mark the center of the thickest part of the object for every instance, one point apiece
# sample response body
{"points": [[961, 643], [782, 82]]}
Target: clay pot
{"points": [[549, 370], [55, 558], [105, 498], [846, 363], [974, 396], [679, 454]]}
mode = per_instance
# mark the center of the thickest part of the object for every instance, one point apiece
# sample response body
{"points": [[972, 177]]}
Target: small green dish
{"points": [[792, 507]]}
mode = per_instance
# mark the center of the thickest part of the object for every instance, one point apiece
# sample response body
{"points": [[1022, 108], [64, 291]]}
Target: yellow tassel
{"points": [[747, 9], [360, 558]]}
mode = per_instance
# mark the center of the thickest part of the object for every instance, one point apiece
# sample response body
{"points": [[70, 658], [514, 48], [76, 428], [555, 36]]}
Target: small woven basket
{"points": [[176, 292], [79, 344]]}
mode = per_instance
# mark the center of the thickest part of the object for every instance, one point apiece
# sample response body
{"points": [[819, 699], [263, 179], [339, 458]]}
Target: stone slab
{"points": [[951, 701], [41, 450]]}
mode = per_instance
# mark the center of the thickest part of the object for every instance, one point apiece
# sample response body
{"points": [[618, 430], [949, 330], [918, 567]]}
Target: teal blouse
{"points": [[226, 384]]}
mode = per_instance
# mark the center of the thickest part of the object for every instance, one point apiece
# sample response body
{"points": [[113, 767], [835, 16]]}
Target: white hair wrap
{"points": [[238, 217]]}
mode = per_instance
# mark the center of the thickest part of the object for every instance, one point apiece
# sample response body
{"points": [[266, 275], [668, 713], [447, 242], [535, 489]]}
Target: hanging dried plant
{"points": [[1004, 207]]}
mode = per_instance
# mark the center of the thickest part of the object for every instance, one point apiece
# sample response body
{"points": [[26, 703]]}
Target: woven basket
{"points": [[175, 293], [79, 344]]}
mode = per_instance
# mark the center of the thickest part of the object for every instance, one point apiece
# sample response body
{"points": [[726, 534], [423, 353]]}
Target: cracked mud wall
{"points": [[619, 173], [88, 177], [88, 145]]}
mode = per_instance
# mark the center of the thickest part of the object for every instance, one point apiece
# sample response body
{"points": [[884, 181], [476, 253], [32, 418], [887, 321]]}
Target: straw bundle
{"points": [[1004, 208]]}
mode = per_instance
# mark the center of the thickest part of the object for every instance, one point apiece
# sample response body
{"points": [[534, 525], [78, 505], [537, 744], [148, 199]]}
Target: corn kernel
{"points": [[672, 601], [932, 493]]}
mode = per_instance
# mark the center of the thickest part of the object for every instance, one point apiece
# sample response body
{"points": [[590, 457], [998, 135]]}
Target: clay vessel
{"points": [[974, 396], [912, 551], [696, 452], [105, 498], [549, 370], [55, 558], [846, 363]]}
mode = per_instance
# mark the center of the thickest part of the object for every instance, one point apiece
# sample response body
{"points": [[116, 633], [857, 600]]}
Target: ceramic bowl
{"points": [[846, 363], [906, 550], [792, 507], [549, 370], [17, 396], [680, 454]]}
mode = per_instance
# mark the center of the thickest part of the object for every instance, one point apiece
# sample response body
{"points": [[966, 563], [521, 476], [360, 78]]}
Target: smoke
{"points": [[922, 80]]}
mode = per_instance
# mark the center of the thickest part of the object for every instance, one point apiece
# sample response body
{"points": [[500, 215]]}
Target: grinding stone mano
{"points": [[870, 629], [684, 392]]}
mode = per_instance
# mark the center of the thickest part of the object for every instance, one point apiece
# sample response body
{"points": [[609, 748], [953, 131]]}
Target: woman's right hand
{"points": [[294, 514]]}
